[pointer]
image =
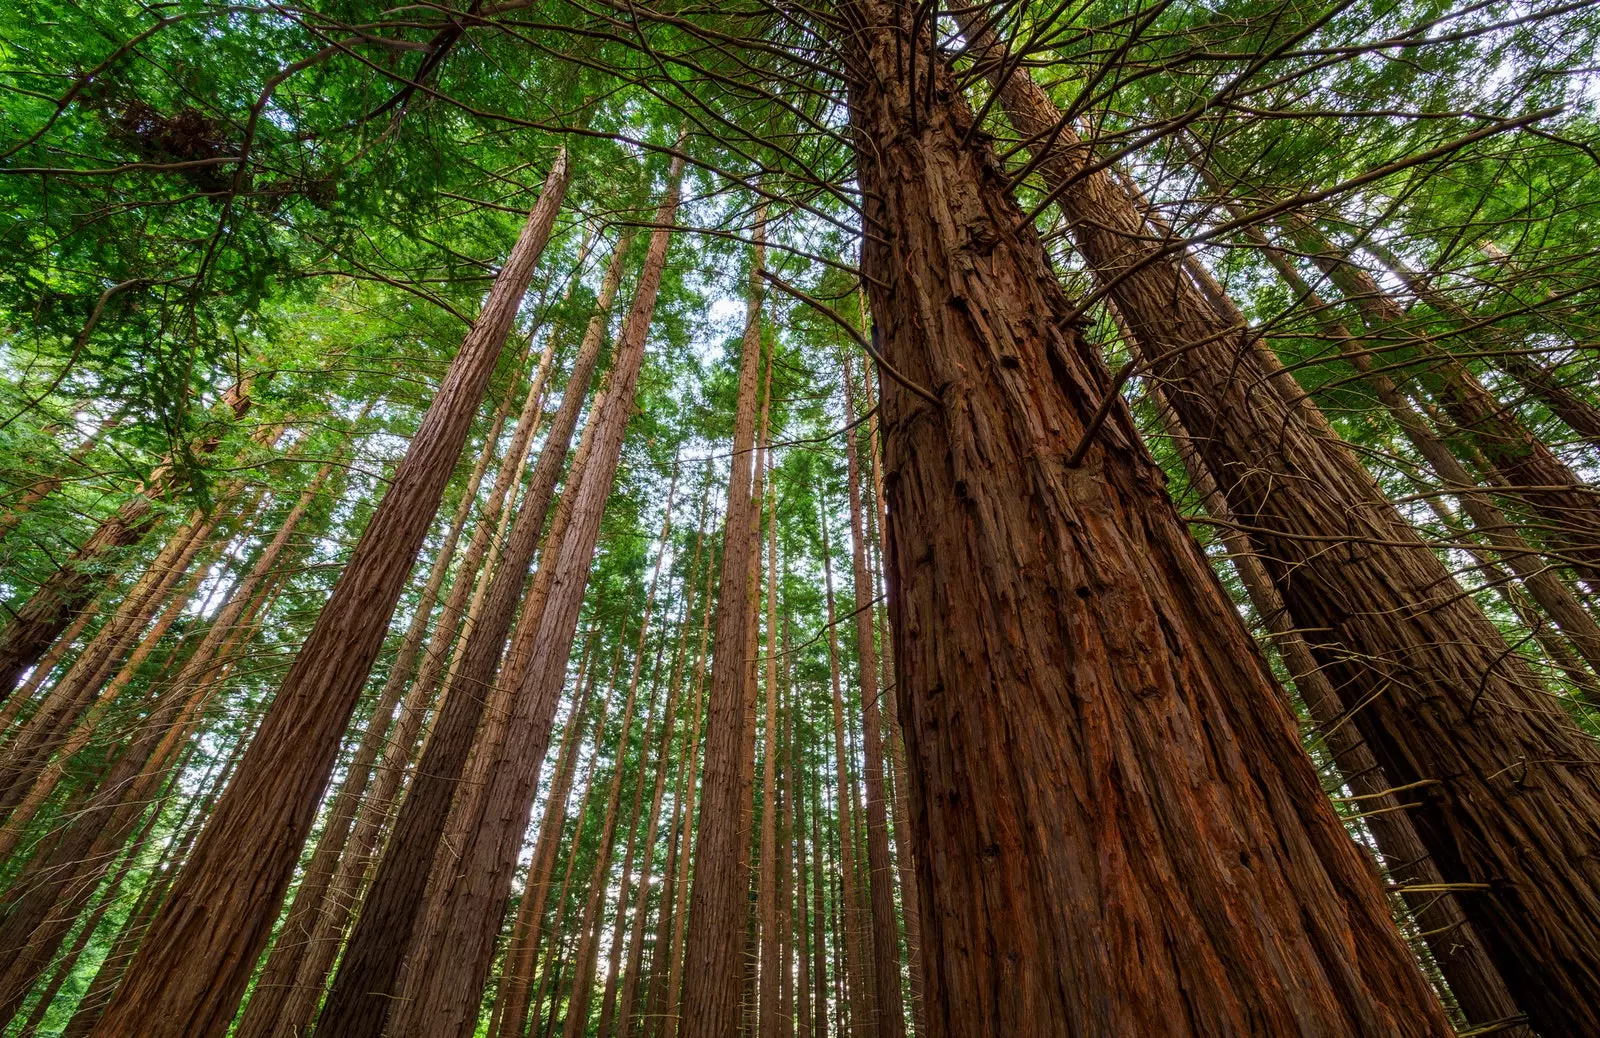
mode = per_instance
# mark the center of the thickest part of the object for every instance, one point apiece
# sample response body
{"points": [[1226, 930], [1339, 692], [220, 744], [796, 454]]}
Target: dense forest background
{"points": [[866, 517]]}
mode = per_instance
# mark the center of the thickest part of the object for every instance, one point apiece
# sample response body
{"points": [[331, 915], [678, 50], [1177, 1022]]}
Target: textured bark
{"points": [[714, 953], [885, 935], [850, 929], [1449, 710], [53, 606], [275, 1006], [359, 1004], [1478, 988], [749, 835], [1066, 778], [488, 861], [194, 967], [1492, 524]]}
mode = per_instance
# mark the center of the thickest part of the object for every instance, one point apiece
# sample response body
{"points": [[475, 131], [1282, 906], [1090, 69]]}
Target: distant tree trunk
{"points": [[1449, 709], [46, 485], [193, 968], [358, 1005], [53, 606], [1067, 778], [850, 926], [714, 953], [885, 934], [819, 951], [489, 859], [802, 891], [635, 964], [786, 862], [672, 1000], [767, 875]]}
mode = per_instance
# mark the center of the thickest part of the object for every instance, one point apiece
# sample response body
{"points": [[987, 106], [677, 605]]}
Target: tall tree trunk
{"points": [[850, 927], [1448, 708], [193, 968], [1568, 518], [885, 934], [46, 485], [714, 953], [359, 1004], [275, 990], [1067, 778], [1452, 940], [672, 1001], [767, 876], [819, 951], [489, 859]]}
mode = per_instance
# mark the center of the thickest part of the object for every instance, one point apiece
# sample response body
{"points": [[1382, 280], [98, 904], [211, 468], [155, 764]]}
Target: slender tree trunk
{"points": [[805, 1028], [673, 1000], [850, 927], [714, 953], [44, 486], [488, 861], [885, 934], [203, 945], [1067, 778], [767, 899], [510, 1014], [1450, 711]]}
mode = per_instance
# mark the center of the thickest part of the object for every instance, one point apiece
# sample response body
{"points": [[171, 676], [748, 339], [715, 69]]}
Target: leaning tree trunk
{"points": [[1451, 712], [1095, 745], [194, 965], [477, 903]]}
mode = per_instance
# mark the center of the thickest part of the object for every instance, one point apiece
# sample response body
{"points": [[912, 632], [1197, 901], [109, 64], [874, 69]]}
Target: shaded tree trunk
{"points": [[1068, 779]]}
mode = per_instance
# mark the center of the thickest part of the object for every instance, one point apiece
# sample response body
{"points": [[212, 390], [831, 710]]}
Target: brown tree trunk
{"points": [[46, 485], [819, 951], [767, 876], [1068, 777], [1568, 511], [1454, 943], [488, 860], [885, 934], [1450, 711], [193, 968], [672, 1001], [714, 953], [850, 929]]}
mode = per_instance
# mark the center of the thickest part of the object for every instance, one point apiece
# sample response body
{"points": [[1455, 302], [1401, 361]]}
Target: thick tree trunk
{"points": [[1068, 779], [885, 934], [193, 969], [1450, 711], [488, 861], [714, 954]]}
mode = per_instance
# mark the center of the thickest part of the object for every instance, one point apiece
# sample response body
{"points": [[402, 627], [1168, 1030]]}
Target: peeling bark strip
{"points": [[1446, 704], [1081, 803], [197, 958]]}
